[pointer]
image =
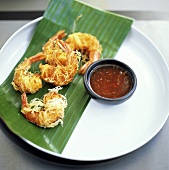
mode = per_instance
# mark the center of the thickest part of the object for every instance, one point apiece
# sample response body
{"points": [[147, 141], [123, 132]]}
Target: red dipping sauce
{"points": [[111, 81]]}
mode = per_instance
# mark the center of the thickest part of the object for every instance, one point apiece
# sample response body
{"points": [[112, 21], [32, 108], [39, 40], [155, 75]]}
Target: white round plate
{"points": [[104, 131]]}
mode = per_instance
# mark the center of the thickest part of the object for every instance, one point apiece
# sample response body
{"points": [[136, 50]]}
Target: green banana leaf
{"points": [[110, 29]]}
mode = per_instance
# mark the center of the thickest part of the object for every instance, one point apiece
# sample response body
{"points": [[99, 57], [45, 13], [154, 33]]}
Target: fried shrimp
{"points": [[55, 50], [62, 61], [46, 113], [89, 47], [61, 74], [25, 81]]}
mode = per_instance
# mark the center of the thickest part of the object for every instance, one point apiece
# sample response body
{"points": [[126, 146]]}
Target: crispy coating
{"points": [[55, 50], [89, 47], [25, 81], [46, 113], [62, 61]]}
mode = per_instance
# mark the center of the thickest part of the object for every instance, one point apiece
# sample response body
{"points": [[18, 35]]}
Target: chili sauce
{"points": [[111, 81]]}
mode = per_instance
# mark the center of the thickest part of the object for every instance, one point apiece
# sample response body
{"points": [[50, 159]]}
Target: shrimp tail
{"points": [[38, 57], [64, 46], [84, 67], [93, 56], [24, 100], [59, 35]]}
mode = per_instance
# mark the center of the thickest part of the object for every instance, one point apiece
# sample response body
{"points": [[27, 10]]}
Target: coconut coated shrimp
{"points": [[62, 61], [25, 81], [55, 50], [60, 75], [88, 45], [46, 113]]}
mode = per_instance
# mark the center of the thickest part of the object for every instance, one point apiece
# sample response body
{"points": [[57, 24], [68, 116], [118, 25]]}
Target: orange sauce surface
{"points": [[111, 81]]}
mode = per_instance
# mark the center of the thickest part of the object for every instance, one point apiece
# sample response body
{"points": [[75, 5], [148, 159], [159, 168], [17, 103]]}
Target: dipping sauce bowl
{"points": [[110, 81]]}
